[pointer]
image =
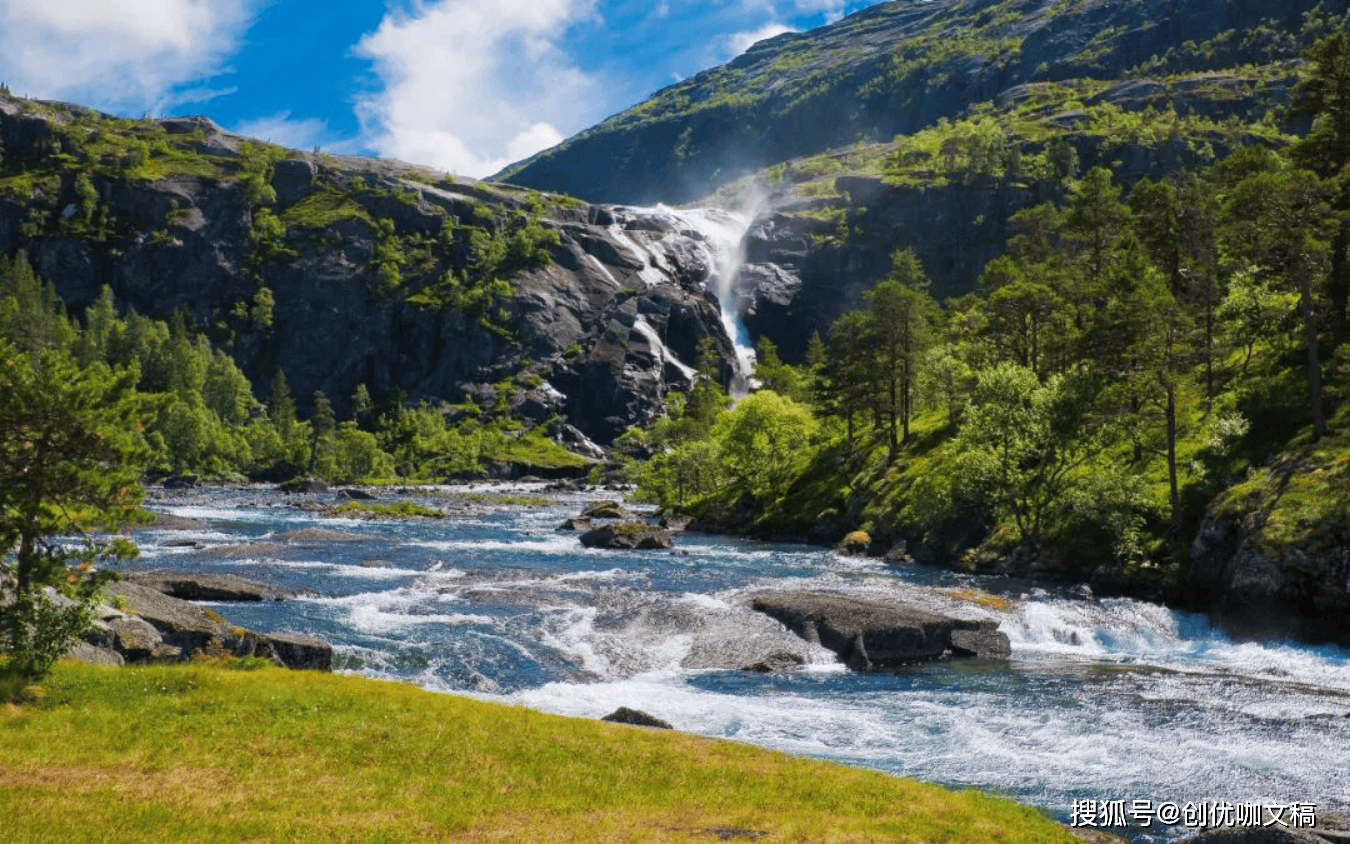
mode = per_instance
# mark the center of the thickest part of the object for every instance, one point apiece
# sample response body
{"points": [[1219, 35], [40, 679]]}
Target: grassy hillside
{"points": [[201, 753]]}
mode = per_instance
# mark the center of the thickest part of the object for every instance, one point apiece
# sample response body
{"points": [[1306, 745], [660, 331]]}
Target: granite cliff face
{"points": [[349, 271]]}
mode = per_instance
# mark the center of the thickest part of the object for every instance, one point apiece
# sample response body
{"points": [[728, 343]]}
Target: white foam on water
{"points": [[550, 545], [1126, 630], [391, 611]]}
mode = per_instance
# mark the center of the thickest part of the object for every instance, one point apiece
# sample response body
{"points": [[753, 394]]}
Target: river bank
{"points": [[1101, 697]]}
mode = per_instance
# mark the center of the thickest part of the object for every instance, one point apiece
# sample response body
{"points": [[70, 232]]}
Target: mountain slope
{"points": [[896, 68]]}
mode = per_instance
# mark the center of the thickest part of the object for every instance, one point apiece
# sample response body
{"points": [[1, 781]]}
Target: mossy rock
{"points": [[856, 543]]}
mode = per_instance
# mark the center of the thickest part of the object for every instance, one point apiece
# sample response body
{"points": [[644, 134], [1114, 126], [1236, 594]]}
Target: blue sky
{"points": [[463, 85]]}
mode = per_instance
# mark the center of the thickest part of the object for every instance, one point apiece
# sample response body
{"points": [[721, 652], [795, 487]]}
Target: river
{"points": [[1104, 700]]}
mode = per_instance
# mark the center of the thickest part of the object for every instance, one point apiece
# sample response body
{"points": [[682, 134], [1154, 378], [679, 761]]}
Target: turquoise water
{"points": [[1103, 700]]}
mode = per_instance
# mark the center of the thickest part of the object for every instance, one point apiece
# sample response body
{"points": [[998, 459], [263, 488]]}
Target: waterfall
{"points": [[724, 236]]}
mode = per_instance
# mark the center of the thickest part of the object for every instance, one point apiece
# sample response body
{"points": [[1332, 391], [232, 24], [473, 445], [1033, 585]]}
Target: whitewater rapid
{"points": [[1107, 699]]}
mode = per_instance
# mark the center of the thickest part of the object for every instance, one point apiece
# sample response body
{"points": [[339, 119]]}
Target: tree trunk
{"points": [[1314, 363], [1175, 496]]}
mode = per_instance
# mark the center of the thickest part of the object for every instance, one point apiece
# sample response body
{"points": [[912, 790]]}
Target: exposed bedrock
{"points": [[872, 634]]}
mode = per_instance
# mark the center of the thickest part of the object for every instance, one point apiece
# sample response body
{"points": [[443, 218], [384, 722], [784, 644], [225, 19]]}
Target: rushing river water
{"points": [[1103, 700]]}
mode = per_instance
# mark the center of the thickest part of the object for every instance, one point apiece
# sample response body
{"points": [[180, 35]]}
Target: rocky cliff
{"points": [[1272, 558], [928, 124], [348, 271]]}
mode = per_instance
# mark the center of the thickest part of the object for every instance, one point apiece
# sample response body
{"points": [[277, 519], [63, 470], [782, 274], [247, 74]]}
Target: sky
{"points": [[465, 86]]}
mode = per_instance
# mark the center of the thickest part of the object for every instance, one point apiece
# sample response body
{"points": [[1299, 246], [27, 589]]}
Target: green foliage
{"points": [[761, 440], [70, 455], [497, 251]]}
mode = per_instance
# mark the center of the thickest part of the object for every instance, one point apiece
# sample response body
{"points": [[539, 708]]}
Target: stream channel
{"points": [[1103, 700]]}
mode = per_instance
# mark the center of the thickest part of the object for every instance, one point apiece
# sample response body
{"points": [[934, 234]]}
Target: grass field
{"points": [[208, 753]]}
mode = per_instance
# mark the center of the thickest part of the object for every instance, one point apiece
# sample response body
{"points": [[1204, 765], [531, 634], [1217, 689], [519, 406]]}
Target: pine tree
{"points": [[70, 455]]}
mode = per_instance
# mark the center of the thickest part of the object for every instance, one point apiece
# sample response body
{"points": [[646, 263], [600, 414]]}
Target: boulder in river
{"points": [[606, 510], [145, 625], [303, 485], [1329, 828], [872, 634], [638, 718], [202, 586], [628, 536]]}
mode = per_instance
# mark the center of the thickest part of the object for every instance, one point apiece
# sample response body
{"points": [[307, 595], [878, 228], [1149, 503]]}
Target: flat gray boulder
{"points": [[194, 586], [873, 634]]}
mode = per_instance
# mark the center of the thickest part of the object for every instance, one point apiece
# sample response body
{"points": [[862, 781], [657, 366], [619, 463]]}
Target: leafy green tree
{"points": [[761, 439], [1279, 220], [1020, 315], [846, 386], [1023, 443], [773, 374], [70, 456]]}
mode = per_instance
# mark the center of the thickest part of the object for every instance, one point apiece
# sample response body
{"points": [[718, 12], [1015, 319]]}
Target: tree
{"points": [[1324, 95], [1278, 221], [70, 455], [846, 384], [761, 439], [902, 314], [1022, 444], [323, 424]]}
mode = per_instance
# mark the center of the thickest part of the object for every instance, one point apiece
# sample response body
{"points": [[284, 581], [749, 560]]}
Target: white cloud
{"points": [[126, 55], [470, 87], [742, 41], [279, 128]]}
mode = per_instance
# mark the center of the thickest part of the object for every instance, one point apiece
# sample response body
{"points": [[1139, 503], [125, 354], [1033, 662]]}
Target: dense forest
{"points": [[206, 421]]}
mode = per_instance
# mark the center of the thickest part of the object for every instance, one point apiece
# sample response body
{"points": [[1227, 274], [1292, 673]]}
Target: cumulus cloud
{"points": [[124, 56], [280, 129], [742, 41], [470, 87]]}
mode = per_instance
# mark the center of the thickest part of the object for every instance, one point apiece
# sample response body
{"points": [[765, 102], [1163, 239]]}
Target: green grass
{"points": [[323, 208], [200, 753]]}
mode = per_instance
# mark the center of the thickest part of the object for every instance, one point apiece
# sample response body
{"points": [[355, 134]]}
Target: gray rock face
{"points": [[149, 626], [612, 322], [628, 536], [1256, 588], [867, 634]]}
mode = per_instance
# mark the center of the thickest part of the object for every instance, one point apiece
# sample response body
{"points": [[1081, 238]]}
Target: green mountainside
{"points": [[897, 68], [349, 274]]}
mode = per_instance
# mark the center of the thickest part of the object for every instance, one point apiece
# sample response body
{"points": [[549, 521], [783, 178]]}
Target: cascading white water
{"points": [[724, 234], [721, 240]]}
